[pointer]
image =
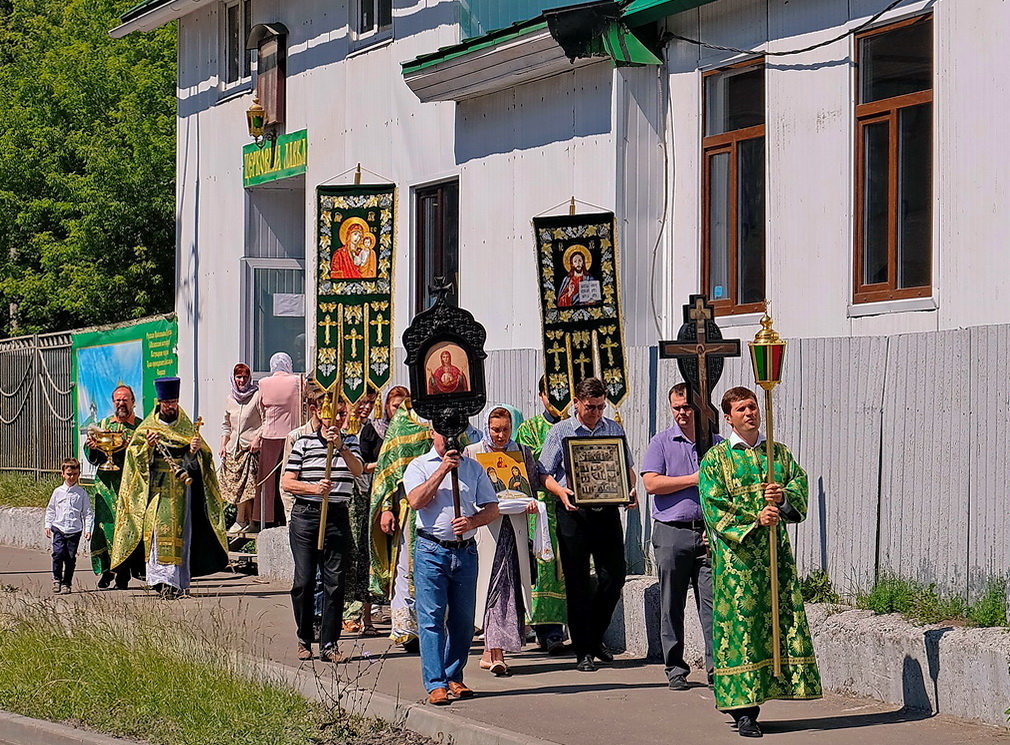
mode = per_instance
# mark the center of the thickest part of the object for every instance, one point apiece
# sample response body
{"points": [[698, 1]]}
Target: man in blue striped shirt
{"points": [[305, 478], [585, 532]]}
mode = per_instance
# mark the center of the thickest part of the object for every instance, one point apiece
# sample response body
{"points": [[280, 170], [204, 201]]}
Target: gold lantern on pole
{"points": [[767, 353]]}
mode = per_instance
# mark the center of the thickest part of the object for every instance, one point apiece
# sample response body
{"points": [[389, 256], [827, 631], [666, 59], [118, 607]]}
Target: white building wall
{"points": [[810, 101]]}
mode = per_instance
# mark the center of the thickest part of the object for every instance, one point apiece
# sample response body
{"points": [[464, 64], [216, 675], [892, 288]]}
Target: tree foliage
{"points": [[87, 167]]}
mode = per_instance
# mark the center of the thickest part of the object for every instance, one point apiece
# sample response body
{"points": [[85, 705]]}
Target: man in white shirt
{"points": [[68, 516], [445, 562]]}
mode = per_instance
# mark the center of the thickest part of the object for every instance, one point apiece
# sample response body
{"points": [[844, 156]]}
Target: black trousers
{"points": [[303, 534], [64, 556], [597, 534]]}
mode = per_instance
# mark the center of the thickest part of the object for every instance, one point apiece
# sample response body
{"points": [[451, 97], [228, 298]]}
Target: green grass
{"points": [[816, 587], [924, 603], [137, 674], [24, 490]]}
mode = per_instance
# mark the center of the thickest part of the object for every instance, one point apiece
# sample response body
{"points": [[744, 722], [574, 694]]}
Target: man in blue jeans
{"points": [[445, 562]]}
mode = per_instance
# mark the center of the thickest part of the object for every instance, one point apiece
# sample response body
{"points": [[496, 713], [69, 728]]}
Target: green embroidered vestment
{"points": [[730, 482], [549, 604], [104, 493]]}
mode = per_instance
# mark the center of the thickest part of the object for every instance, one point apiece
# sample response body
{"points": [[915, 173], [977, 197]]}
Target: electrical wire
{"points": [[856, 30]]}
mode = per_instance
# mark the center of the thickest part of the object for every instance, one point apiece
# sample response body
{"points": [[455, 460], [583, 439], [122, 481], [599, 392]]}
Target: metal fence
{"points": [[36, 405]]}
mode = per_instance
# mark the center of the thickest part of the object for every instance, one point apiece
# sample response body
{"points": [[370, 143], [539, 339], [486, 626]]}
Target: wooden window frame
{"points": [[885, 110], [727, 142], [244, 64], [421, 293]]}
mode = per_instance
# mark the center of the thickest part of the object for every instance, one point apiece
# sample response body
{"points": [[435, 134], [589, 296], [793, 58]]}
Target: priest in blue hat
{"points": [[170, 503]]}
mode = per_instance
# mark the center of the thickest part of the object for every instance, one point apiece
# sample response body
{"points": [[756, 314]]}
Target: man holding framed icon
{"points": [[590, 470]]}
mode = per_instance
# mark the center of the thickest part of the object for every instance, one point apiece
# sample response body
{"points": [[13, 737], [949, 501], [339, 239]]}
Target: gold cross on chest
{"points": [[328, 323]]}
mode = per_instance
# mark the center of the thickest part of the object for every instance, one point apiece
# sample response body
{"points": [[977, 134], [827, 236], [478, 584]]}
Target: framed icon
{"points": [[508, 474], [597, 469]]}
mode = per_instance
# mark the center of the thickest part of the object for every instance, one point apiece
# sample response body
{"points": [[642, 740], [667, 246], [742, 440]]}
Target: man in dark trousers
{"points": [[585, 532], [670, 474]]}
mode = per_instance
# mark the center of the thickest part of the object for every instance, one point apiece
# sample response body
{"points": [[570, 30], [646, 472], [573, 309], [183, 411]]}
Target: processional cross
{"points": [[700, 352]]}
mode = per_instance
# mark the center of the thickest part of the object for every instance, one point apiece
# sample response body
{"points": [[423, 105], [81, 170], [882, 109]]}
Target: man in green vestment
{"points": [[549, 611], [180, 526], [105, 491], [742, 514]]}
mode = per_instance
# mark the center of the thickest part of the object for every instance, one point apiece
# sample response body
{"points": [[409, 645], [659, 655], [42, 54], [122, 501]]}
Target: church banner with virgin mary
{"points": [[580, 294], [354, 278]]}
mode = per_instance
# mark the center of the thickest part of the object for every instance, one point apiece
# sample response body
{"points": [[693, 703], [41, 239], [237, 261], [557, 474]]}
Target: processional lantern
{"points": [[767, 353]]}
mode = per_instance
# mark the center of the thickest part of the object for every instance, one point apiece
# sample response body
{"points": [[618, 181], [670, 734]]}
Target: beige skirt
{"points": [[238, 476]]}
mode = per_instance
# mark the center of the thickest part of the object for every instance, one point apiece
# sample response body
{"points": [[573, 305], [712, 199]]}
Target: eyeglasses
{"points": [[682, 408], [594, 407]]}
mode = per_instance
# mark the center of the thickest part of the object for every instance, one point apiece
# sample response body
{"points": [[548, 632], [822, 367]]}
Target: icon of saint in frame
{"points": [[356, 256], [579, 286], [447, 369]]}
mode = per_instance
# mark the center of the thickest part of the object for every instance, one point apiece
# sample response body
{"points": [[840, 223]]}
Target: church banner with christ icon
{"points": [[354, 276], [580, 294]]}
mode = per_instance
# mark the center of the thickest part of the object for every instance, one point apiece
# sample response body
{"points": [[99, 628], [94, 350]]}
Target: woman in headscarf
{"points": [[281, 409], [240, 445], [504, 582], [370, 441]]}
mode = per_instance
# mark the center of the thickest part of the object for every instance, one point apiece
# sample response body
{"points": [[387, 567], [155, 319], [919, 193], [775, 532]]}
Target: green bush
{"points": [[924, 603], [24, 490], [816, 587]]}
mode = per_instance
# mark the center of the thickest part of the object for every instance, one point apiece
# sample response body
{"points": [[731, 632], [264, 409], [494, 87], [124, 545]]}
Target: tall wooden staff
{"points": [[767, 352], [326, 414]]}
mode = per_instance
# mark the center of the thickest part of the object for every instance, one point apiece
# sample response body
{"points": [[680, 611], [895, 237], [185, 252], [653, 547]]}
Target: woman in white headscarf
{"points": [[281, 410], [504, 576]]}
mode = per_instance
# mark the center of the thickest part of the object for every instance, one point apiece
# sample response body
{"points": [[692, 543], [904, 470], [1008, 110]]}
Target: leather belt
{"points": [[695, 525], [446, 544], [317, 505]]}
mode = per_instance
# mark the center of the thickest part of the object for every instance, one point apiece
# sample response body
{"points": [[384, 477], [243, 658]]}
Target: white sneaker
{"points": [[238, 528]]}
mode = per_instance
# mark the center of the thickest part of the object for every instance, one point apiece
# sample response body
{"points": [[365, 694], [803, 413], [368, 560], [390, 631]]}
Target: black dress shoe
{"points": [[105, 580], [748, 727], [679, 683], [604, 655], [586, 664]]}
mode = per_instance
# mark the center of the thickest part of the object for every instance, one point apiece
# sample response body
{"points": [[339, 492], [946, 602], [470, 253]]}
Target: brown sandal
{"points": [[370, 630]]}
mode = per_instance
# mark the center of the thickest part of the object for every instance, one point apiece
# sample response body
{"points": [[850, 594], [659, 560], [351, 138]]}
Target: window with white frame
{"points": [[276, 312], [236, 59], [371, 20]]}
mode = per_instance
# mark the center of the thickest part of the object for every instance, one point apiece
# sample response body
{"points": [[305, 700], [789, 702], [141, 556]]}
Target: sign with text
{"points": [[129, 355], [285, 157]]}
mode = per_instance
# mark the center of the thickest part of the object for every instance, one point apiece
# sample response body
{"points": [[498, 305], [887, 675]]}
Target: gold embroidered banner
{"points": [[354, 278], [580, 296]]}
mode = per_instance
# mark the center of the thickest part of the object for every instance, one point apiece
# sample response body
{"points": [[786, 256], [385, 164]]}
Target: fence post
{"points": [[37, 403]]}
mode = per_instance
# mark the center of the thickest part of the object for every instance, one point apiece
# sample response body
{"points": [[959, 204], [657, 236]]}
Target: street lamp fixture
{"points": [[256, 118]]}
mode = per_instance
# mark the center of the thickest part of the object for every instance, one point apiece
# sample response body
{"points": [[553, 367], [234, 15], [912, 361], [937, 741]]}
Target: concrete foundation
{"points": [[273, 555], [25, 527]]}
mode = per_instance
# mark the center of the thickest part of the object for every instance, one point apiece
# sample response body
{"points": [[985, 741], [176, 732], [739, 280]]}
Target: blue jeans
{"points": [[445, 592]]}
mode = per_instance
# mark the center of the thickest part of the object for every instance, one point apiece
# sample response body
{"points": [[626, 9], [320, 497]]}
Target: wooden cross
{"points": [[328, 323], [609, 346], [380, 323], [699, 340], [354, 337]]}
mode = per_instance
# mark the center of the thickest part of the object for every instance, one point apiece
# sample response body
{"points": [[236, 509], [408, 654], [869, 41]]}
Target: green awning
{"points": [[624, 48], [640, 12]]}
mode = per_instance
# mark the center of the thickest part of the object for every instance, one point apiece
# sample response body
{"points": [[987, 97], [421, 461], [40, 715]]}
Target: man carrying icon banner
{"points": [[742, 513]]}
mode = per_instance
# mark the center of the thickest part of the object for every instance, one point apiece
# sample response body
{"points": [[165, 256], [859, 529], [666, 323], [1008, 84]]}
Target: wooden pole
{"points": [[773, 540], [456, 509], [326, 414]]}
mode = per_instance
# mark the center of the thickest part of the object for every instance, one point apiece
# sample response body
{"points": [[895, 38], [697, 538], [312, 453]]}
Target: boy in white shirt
{"points": [[68, 516]]}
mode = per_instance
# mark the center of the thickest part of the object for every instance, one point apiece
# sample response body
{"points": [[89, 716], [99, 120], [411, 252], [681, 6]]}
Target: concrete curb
{"points": [[25, 527], [273, 555], [961, 672], [438, 724], [22, 729]]}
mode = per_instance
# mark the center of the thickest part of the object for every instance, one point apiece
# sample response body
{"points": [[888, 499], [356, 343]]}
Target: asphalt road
{"points": [[627, 703]]}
